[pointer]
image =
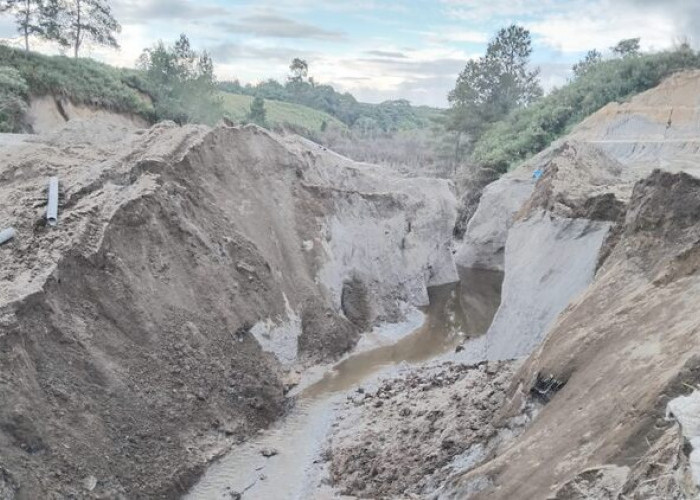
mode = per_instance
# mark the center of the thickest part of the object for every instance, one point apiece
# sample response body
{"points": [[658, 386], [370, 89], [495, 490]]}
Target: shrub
{"points": [[13, 92]]}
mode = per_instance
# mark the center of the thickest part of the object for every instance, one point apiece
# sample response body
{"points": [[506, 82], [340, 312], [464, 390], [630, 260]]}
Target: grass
{"points": [[83, 81], [279, 113]]}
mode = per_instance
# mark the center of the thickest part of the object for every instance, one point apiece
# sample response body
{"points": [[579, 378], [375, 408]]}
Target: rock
{"points": [[90, 483], [243, 267], [269, 452], [291, 380]]}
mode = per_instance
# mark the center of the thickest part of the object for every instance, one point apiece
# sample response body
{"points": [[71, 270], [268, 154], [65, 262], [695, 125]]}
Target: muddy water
{"points": [[456, 313]]}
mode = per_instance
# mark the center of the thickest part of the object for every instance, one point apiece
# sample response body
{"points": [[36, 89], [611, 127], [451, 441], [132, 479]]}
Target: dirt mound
{"points": [[150, 328]]}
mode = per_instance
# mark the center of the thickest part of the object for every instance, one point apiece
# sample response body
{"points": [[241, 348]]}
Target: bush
{"points": [[182, 82], [13, 92]]}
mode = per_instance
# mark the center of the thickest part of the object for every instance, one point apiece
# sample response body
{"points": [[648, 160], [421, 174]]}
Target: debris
{"points": [[269, 452], [90, 483], [244, 267], [6, 235], [52, 206], [545, 387]]}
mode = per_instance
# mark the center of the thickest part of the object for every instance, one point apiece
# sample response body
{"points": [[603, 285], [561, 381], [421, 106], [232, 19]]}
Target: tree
{"points": [[53, 20], [494, 85], [592, 58], [299, 69], [183, 80], [89, 20], [626, 48], [257, 113], [27, 17]]}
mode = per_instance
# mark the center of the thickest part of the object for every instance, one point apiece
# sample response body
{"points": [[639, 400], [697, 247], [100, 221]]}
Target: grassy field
{"points": [[236, 106]]}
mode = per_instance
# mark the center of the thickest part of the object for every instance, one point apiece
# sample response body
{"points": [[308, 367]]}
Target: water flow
{"points": [[457, 312]]}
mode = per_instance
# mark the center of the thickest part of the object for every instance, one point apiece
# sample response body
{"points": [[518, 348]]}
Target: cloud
{"points": [[683, 13], [230, 53], [424, 75], [275, 26], [431, 91], [146, 11], [451, 34], [602, 24], [482, 11], [386, 53], [410, 68]]}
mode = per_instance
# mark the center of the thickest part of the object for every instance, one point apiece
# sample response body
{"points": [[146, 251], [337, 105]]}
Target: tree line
{"points": [[68, 23], [387, 117]]}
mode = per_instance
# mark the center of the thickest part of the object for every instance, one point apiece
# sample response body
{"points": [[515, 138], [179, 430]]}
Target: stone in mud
{"points": [[291, 380], [325, 334], [269, 452]]}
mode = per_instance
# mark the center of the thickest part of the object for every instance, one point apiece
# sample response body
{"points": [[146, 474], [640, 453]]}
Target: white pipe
{"points": [[52, 207], [7, 234]]}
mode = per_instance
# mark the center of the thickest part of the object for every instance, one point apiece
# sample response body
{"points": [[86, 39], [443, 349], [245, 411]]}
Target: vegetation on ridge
{"points": [[499, 118], [83, 81], [366, 119], [529, 130]]}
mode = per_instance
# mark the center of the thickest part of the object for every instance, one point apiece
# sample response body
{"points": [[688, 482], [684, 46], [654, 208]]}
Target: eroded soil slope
{"points": [[624, 342], [190, 269]]}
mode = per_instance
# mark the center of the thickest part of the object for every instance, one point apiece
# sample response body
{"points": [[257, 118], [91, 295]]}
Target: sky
{"points": [[380, 49]]}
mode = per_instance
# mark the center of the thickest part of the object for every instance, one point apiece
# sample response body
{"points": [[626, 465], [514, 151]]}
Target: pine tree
{"points": [[492, 86], [90, 20], [53, 20], [27, 16]]}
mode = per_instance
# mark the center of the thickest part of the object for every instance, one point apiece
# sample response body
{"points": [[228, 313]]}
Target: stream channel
{"points": [[457, 313]]}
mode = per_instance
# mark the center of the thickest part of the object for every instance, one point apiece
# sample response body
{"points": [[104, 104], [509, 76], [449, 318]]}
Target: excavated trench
{"points": [[285, 461]]}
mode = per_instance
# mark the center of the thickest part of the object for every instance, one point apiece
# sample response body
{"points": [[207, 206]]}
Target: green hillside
{"points": [[85, 81], [236, 106]]}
